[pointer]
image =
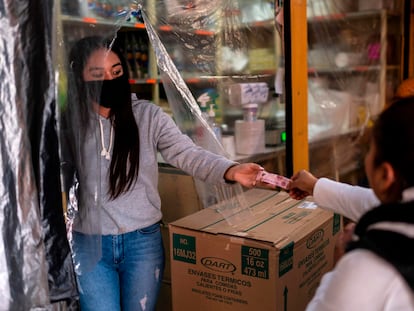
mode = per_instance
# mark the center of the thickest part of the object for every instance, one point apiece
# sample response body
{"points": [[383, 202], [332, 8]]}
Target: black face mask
{"points": [[107, 93]]}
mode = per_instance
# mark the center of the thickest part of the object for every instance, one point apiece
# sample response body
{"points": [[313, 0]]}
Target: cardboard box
{"points": [[267, 256]]}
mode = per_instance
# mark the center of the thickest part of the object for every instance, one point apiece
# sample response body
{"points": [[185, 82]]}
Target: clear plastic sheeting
{"points": [[189, 116], [82, 143], [36, 267], [354, 63], [202, 50]]}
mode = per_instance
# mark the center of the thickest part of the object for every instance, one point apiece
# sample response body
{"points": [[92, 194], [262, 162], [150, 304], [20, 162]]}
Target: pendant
{"points": [[105, 153]]}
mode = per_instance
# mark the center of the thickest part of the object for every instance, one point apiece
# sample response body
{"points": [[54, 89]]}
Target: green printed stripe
{"points": [[265, 199], [255, 204], [266, 220]]}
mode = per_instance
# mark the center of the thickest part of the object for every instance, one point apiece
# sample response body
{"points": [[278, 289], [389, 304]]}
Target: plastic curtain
{"points": [[36, 266]]}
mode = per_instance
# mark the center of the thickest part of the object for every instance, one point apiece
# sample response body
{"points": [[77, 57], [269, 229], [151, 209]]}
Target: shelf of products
{"points": [[355, 59], [214, 45], [219, 45]]}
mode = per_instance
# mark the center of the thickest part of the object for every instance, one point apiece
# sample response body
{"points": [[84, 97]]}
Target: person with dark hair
{"points": [[377, 270], [114, 139]]}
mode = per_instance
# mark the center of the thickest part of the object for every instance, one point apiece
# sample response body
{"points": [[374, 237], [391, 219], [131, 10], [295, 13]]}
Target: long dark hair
{"points": [[124, 165], [393, 136]]}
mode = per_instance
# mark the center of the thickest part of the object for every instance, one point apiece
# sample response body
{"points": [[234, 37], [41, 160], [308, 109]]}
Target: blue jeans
{"points": [[129, 274]]}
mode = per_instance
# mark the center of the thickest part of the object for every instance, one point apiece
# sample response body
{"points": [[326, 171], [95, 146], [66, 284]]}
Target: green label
{"points": [[286, 259], [184, 248], [255, 262], [336, 223]]}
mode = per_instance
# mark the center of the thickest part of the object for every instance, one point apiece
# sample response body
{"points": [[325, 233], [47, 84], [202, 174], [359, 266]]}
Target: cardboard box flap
{"points": [[267, 216]]}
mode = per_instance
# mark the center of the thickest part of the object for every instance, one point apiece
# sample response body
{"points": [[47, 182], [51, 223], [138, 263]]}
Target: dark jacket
{"points": [[395, 247]]}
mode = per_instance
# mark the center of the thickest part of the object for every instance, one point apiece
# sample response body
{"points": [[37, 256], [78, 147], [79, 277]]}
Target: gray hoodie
{"points": [[141, 205]]}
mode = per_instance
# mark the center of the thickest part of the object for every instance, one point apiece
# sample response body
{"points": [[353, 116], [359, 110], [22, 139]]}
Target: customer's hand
{"points": [[245, 174], [302, 185]]}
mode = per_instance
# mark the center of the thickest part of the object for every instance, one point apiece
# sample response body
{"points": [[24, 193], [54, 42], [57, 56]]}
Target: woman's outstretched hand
{"points": [[245, 174], [302, 185]]}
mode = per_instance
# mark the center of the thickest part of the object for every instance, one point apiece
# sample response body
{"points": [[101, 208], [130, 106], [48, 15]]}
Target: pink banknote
{"points": [[273, 179]]}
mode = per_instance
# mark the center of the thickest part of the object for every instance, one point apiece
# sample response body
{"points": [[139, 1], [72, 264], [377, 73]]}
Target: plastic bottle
{"points": [[144, 57], [200, 131], [137, 57], [203, 100], [132, 57], [129, 56], [250, 112], [212, 121]]}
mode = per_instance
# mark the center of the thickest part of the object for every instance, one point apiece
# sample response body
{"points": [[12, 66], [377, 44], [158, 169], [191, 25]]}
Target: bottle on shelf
{"points": [[201, 132], [203, 99], [143, 61], [136, 56], [212, 122], [129, 56]]}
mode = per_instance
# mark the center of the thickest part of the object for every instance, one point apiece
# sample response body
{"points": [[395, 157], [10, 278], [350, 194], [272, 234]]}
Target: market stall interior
{"points": [[222, 69], [215, 67]]}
